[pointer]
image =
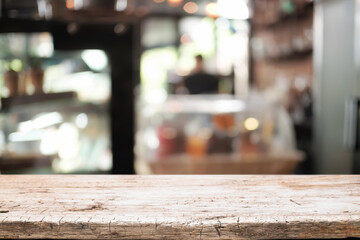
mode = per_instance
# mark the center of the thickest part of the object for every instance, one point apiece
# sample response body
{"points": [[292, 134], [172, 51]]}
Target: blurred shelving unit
{"points": [[281, 61]]}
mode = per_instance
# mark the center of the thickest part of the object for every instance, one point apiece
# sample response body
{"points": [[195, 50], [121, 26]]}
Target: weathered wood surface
{"points": [[179, 207]]}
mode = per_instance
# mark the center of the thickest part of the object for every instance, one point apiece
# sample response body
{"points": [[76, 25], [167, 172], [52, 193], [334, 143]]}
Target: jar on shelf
{"points": [[11, 79], [36, 75]]}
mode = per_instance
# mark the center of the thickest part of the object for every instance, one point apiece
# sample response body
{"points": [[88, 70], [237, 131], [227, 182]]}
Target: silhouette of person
{"points": [[200, 82]]}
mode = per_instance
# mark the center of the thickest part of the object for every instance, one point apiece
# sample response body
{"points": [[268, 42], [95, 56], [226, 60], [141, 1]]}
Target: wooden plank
{"points": [[179, 207]]}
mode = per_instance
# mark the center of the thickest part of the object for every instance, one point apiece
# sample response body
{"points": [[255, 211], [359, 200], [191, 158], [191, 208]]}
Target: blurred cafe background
{"points": [[179, 86]]}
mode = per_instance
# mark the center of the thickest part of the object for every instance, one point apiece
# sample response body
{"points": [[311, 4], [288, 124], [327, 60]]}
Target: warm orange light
{"points": [[191, 7], [174, 3], [212, 10], [70, 4]]}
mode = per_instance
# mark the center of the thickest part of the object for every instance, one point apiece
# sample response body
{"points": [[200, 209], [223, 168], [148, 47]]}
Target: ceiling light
{"points": [[174, 3], [233, 9], [70, 4], [121, 5], [74, 4], [211, 10]]}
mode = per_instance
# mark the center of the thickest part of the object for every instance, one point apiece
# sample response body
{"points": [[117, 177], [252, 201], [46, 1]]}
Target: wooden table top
{"points": [[179, 207]]}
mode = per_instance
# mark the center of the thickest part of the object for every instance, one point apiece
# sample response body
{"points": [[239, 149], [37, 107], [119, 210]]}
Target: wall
{"points": [[334, 81]]}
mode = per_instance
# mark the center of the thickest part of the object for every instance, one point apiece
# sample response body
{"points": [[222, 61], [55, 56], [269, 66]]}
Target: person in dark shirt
{"points": [[199, 82]]}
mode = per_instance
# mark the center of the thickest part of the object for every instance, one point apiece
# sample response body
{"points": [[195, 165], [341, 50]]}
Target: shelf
{"points": [[17, 162], [291, 57], [65, 102], [8, 103], [285, 18]]}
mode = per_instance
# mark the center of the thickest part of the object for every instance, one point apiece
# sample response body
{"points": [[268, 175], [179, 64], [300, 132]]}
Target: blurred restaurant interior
{"points": [[179, 86]]}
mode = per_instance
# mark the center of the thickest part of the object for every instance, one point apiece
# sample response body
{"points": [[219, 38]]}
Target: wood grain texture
{"points": [[179, 207]]}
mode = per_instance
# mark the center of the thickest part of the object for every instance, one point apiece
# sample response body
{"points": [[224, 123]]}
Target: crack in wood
{"points": [[110, 224], [238, 226], [4, 219], [141, 230], [295, 202], [218, 228], [43, 211], [60, 223], [89, 223], [201, 229], [76, 220], [41, 221], [97, 206]]}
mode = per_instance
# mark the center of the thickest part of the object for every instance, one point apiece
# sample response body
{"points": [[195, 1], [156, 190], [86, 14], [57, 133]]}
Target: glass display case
{"points": [[54, 133], [54, 114], [212, 134]]}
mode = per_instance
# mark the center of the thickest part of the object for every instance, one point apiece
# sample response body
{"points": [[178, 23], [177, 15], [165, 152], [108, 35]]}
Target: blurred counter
{"points": [[224, 164], [215, 134]]}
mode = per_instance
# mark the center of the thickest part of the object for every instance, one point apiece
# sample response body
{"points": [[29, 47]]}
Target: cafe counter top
{"points": [[179, 207]]}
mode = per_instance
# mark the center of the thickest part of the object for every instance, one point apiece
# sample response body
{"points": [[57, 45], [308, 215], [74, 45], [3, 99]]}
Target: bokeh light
{"points": [[191, 7], [251, 124], [211, 10]]}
